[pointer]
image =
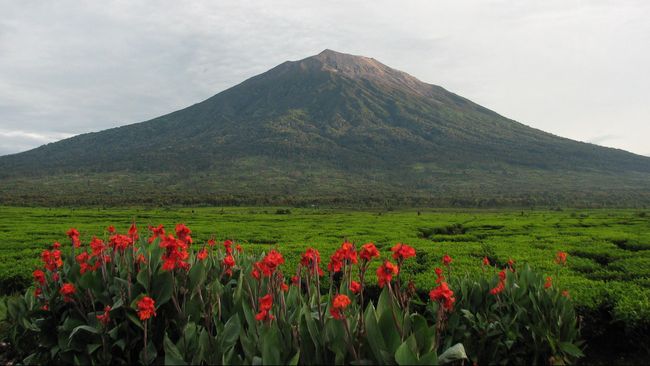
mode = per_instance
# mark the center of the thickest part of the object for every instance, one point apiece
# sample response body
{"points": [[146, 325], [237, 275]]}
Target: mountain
{"points": [[331, 128]]}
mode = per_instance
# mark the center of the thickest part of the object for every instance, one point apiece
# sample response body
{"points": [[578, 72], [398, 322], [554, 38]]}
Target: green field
{"points": [[608, 271], [608, 274], [609, 249]]}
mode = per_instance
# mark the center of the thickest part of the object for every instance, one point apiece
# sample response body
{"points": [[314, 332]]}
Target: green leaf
{"points": [[197, 276], [161, 287], [270, 342], [405, 356], [374, 336], [172, 354], [87, 328], [453, 353], [231, 331], [143, 279], [571, 349]]}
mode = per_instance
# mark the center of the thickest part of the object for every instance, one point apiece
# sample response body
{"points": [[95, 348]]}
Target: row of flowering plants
{"points": [[164, 299]]}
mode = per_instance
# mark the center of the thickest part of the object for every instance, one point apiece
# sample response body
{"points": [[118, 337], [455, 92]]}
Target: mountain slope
{"points": [[332, 126]]}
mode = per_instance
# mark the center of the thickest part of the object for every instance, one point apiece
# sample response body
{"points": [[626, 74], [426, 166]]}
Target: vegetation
{"points": [[607, 279], [329, 129], [169, 299]]}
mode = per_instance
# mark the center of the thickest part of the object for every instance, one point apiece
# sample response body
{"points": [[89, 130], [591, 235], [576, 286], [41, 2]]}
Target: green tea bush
{"points": [[165, 300]]}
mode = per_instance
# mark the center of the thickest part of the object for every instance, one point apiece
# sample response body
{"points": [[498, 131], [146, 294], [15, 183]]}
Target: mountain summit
{"points": [[329, 128]]}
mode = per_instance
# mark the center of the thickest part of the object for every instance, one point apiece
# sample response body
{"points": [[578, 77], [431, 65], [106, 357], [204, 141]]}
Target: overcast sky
{"points": [[579, 69]]}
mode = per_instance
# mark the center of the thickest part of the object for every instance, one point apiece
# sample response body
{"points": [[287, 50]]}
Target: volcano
{"points": [[331, 128]]}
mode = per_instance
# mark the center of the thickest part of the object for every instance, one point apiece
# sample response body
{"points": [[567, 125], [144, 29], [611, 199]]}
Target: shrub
{"points": [[131, 300]]}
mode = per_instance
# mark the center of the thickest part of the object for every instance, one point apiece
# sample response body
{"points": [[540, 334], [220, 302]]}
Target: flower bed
{"points": [[165, 299]]}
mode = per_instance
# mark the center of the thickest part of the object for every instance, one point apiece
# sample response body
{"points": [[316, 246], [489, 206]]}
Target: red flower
{"points": [[486, 261], [140, 259], [368, 252], [402, 251], [156, 232], [284, 287], [73, 234], [339, 304], [565, 293], [348, 253], [133, 232], [311, 260], [548, 283], [39, 277], [446, 260], [336, 262], [97, 247], [228, 263], [439, 275], [202, 254], [111, 229], [228, 246], [560, 258], [56, 245], [266, 303], [146, 308], [211, 243], [238, 248], [120, 242], [295, 280], [82, 259], [67, 290], [105, 318], [355, 287], [269, 263], [175, 254], [511, 264], [385, 273], [443, 295], [502, 275], [183, 233], [51, 259], [498, 289]]}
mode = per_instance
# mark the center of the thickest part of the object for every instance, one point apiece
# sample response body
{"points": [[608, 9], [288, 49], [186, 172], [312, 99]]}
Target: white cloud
{"points": [[569, 67]]}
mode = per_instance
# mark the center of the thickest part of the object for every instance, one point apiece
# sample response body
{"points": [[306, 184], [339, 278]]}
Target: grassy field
{"points": [[609, 250]]}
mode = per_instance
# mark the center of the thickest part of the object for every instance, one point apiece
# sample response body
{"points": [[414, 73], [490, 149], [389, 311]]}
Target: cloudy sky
{"points": [[579, 69]]}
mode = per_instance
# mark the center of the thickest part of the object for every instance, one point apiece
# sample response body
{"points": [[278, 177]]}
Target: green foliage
{"points": [[524, 324], [213, 313]]}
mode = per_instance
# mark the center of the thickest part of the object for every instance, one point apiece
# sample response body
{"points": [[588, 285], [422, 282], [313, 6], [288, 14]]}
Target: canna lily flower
{"points": [[368, 252], [486, 261], [560, 258], [39, 277], [67, 290], [446, 260], [133, 232], [266, 303], [156, 232], [439, 275], [146, 308], [202, 254], [443, 295], [402, 251], [549, 282], [386, 272], [339, 304], [105, 317], [73, 234], [183, 233], [355, 287]]}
